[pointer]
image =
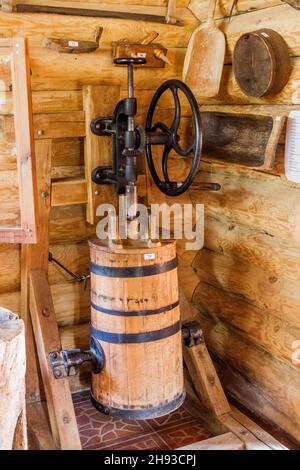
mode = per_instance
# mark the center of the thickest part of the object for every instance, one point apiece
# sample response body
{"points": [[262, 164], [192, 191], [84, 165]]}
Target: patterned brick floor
{"points": [[98, 431]]}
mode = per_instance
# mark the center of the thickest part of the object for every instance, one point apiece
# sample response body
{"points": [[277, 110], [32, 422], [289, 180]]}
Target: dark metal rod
{"points": [[94, 13]]}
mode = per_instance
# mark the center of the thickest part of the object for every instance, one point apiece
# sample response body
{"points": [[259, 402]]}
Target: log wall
{"points": [[247, 285], [246, 281]]}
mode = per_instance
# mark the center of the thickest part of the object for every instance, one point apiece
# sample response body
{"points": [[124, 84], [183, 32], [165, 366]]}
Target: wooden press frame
{"points": [[16, 48]]}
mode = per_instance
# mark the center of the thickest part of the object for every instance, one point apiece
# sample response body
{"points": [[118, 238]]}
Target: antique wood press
{"points": [[136, 336]]}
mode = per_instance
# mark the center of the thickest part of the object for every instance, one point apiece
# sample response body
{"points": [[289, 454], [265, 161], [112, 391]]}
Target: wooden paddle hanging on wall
{"points": [[204, 60]]}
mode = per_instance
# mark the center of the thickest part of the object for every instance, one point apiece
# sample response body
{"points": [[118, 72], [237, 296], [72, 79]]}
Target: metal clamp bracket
{"points": [[192, 334]]}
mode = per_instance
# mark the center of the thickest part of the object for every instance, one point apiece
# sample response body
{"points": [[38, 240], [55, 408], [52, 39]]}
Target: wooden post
{"points": [[36, 294], [97, 101], [201, 368], [59, 399], [13, 433]]}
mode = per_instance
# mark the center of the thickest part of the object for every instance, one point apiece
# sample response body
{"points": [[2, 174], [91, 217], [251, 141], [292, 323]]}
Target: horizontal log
{"points": [[68, 224], [58, 125], [248, 246], [61, 101], [272, 207], [62, 172], [66, 72], [68, 192], [71, 303], [259, 287], [9, 269], [37, 27], [261, 327], [11, 301], [67, 152], [74, 256], [73, 337], [276, 385]]}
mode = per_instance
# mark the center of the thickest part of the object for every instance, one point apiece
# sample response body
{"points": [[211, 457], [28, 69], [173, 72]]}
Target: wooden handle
{"points": [[211, 10], [171, 9], [149, 38], [160, 55]]}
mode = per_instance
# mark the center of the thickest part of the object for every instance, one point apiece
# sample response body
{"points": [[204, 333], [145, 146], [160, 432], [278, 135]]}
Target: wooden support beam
{"points": [[205, 379], [226, 441], [97, 101], [36, 256], [202, 371], [36, 293], [59, 399]]}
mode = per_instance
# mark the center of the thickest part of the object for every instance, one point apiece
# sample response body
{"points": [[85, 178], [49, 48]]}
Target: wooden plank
{"points": [[39, 430], [36, 256], [58, 125], [24, 138], [75, 336], [227, 441], [72, 303], [249, 440], [260, 433], [68, 224], [68, 192], [244, 139], [9, 269], [205, 379], [98, 101], [202, 370], [59, 400]]}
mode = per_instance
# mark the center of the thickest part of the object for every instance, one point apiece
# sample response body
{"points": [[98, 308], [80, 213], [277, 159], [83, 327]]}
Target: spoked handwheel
{"points": [[161, 134]]}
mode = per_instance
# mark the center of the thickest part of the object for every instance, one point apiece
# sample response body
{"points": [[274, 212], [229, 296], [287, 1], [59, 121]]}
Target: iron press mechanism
{"points": [[130, 141]]}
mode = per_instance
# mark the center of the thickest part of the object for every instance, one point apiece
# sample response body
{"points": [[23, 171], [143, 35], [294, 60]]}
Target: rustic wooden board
{"points": [[98, 101], [247, 140], [226, 441]]}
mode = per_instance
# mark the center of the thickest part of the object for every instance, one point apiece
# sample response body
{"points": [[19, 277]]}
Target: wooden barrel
{"points": [[135, 320]]}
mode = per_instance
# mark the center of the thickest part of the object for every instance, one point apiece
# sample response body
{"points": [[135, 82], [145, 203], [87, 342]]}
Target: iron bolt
{"points": [[66, 420], [46, 312], [57, 373], [40, 132]]}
